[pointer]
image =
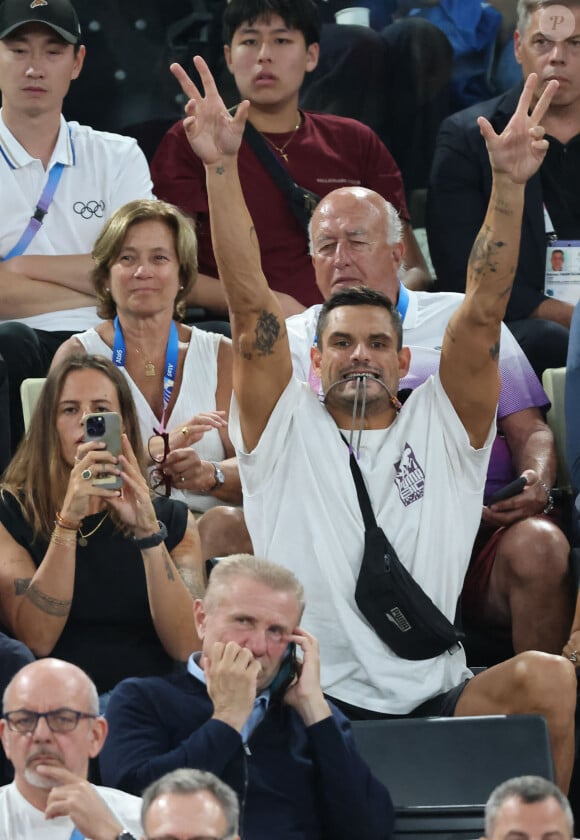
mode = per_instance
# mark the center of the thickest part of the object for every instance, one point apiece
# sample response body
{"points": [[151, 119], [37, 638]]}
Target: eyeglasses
{"points": [[159, 482], [58, 720]]}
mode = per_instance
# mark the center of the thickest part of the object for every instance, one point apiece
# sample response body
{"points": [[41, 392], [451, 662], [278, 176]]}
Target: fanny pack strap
{"points": [[361, 492], [277, 171]]}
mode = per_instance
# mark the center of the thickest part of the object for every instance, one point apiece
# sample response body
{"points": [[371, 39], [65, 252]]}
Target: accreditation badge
{"points": [[562, 280]]}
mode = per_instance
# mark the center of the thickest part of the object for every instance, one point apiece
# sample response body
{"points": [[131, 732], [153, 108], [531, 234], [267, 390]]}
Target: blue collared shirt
{"points": [[261, 702]]}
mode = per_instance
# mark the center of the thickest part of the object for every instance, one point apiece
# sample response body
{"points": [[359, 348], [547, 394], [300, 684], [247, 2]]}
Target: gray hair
{"points": [[255, 568], [187, 781], [93, 694], [528, 789], [526, 9], [394, 223]]}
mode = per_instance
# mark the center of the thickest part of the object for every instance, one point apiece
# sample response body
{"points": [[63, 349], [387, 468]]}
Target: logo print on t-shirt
{"points": [[87, 210], [409, 477]]}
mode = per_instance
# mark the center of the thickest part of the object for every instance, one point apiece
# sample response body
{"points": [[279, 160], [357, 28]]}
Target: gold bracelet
{"points": [[65, 523], [63, 536]]}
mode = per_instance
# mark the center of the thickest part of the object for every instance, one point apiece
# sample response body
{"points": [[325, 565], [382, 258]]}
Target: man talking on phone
{"points": [[251, 710]]}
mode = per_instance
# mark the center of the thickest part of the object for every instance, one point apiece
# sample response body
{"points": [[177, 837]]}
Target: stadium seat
{"points": [[440, 771], [29, 392]]}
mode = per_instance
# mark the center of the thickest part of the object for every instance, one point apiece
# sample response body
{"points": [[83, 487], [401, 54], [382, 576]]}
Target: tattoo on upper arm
{"points": [[58, 607], [267, 333]]}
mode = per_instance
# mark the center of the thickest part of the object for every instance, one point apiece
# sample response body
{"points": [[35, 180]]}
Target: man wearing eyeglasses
{"points": [[50, 728], [190, 805]]}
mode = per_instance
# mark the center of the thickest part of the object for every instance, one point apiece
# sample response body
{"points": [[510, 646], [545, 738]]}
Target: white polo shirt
{"points": [[102, 172]]}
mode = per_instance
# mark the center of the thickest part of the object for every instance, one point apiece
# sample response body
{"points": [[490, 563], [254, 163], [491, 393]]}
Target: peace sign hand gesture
{"points": [[213, 133], [520, 149]]}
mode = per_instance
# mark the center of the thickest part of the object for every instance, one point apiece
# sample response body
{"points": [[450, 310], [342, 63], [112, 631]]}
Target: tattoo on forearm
{"points": [[267, 333], [193, 581], [220, 170], [483, 257], [51, 606], [168, 564], [21, 585], [494, 351]]}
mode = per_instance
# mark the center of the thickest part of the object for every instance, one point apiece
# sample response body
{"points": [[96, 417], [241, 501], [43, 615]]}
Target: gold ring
{"points": [[185, 431]]}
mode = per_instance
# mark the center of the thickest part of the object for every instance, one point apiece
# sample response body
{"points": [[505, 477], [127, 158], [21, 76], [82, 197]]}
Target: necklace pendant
{"points": [[150, 369], [284, 155], [82, 542]]}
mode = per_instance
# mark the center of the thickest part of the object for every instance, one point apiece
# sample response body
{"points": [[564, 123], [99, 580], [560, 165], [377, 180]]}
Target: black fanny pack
{"points": [[391, 600]]}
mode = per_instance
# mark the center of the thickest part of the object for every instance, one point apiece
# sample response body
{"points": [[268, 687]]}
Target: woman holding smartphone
{"points": [[180, 376], [98, 576]]}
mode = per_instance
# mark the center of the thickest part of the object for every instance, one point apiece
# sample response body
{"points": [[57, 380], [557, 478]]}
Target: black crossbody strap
{"points": [[361, 491], [272, 165], [301, 200]]}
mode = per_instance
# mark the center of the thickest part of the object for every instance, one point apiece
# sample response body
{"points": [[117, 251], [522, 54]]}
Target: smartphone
{"points": [[105, 426], [512, 489], [287, 673]]}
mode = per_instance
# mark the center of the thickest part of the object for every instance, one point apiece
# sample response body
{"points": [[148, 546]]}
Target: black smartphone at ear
{"points": [[288, 670]]}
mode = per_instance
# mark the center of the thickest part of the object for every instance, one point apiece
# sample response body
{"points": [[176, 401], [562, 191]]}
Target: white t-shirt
{"points": [[196, 394], [19, 820], [102, 172], [425, 483]]}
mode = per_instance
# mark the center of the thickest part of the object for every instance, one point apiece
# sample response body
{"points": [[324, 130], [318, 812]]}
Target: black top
{"points": [[109, 632]]}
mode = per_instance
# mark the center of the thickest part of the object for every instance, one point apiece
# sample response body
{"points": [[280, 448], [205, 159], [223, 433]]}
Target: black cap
{"points": [[58, 14]]}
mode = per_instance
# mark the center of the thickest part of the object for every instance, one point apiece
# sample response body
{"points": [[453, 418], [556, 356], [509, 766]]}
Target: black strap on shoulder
{"points": [[301, 200], [361, 492]]}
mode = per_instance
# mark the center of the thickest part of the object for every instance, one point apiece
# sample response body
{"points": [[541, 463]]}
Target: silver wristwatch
{"points": [[219, 477]]}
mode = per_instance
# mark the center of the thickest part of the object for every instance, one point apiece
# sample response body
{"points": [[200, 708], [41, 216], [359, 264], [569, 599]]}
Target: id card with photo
{"points": [[562, 280]]}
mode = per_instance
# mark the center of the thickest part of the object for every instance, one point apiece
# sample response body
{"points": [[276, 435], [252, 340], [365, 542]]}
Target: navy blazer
{"points": [[293, 782]]}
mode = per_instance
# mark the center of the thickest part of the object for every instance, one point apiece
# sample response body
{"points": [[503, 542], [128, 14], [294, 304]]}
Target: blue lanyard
{"points": [[76, 835], [41, 209], [403, 301], [171, 354]]}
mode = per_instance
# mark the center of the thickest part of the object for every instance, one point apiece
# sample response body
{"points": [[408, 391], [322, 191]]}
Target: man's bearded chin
{"points": [[359, 401], [35, 779]]}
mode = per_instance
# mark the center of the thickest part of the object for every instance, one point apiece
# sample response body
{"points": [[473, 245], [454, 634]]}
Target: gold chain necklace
{"points": [[282, 149], [83, 538]]}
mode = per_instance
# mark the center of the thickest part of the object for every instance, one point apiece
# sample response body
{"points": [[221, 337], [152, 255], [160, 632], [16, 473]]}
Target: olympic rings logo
{"points": [[89, 209]]}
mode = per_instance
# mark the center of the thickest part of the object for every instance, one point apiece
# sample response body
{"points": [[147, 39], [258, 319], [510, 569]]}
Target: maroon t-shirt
{"points": [[326, 152]]}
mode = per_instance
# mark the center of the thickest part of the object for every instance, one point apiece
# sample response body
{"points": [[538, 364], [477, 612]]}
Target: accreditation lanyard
{"points": [[76, 835], [171, 353], [41, 209]]}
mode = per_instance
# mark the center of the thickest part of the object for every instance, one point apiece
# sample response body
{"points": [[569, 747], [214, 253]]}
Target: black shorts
{"points": [[442, 705]]}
